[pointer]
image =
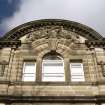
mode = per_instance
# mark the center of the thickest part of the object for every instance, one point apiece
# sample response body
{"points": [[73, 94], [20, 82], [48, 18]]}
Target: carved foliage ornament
{"points": [[51, 32]]}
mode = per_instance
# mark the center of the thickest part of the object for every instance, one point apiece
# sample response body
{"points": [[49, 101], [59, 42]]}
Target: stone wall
{"points": [[34, 45]]}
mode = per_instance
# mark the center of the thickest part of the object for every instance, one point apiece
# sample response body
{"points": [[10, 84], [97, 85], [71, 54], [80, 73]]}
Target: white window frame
{"points": [[54, 75], [77, 72], [29, 76]]}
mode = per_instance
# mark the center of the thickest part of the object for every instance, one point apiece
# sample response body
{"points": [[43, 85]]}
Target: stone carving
{"points": [[52, 43], [52, 32], [102, 64], [36, 35], [64, 33]]}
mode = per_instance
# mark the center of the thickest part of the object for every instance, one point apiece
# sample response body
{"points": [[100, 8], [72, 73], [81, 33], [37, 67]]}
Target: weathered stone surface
{"points": [[71, 45]]}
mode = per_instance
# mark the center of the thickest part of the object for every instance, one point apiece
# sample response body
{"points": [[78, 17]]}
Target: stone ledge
{"points": [[52, 99], [21, 30], [13, 44]]}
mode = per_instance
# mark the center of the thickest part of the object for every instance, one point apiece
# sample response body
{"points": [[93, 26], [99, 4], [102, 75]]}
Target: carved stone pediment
{"points": [[52, 32], [30, 27]]}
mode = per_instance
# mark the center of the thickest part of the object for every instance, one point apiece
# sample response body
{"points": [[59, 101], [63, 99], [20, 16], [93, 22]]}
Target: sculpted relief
{"points": [[52, 32], [53, 36]]}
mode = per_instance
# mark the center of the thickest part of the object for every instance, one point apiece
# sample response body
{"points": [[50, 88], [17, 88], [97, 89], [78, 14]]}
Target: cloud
{"points": [[88, 12], [9, 1]]}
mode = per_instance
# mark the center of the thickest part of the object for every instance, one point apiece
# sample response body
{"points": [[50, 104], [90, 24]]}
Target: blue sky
{"points": [[16, 12], [7, 9]]}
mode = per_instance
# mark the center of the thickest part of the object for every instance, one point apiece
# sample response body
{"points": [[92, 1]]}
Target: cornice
{"points": [[95, 43], [26, 28], [51, 99], [12, 44]]}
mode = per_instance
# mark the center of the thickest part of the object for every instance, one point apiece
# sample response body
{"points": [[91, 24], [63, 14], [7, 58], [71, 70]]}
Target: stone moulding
{"points": [[52, 99], [78, 28], [95, 43], [7, 43]]}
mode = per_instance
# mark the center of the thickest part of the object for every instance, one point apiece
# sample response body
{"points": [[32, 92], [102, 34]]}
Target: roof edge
{"points": [[21, 30]]}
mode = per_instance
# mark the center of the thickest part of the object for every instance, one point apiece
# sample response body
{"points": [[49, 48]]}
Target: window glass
{"points": [[77, 73], [53, 68], [29, 71]]}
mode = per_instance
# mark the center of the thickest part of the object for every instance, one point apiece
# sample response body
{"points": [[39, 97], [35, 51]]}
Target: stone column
{"points": [[67, 69], [95, 65], [39, 70], [10, 64]]}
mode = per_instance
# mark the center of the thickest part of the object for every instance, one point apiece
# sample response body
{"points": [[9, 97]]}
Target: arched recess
{"points": [[42, 50], [53, 67], [61, 46]]}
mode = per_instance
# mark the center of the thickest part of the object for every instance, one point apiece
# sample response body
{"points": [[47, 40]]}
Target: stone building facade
{"points": [[62, 44]]}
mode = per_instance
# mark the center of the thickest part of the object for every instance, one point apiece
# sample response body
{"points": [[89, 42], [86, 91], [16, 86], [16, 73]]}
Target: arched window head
{"points": [[53, 67], [52, 56]]}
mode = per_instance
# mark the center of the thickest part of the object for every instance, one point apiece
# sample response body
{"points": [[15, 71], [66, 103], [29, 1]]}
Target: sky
{"points": [[88, 12]]}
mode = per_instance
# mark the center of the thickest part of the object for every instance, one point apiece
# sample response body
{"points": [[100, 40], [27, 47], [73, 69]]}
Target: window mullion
{"points": [[66, 70], [39, 70]]}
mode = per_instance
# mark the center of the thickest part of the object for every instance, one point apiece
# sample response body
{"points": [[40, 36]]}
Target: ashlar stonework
{"points": [[30, 42]]}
